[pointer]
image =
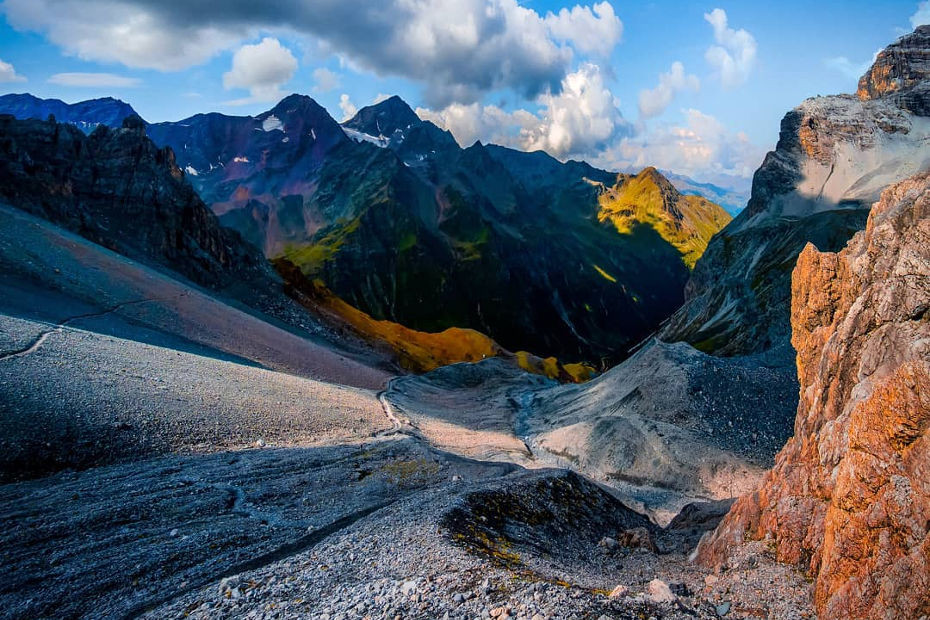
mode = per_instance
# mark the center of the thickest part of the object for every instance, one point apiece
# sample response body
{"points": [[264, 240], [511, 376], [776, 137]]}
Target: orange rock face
{"points": [[849, 497]]}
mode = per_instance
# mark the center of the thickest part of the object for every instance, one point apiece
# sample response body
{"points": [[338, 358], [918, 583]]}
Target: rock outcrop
{"points": [[900, 72], [116, 188], [849, 497], [833, 158]]}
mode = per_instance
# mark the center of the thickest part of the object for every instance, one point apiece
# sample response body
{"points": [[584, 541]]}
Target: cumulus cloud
{"points": [[922, 15], [459, 49], [325, 80], [126, 32], [94, 80], [8, 73], [488, 123], [348, 108], [594, 29], [653, 102], [581, 119], [261, 69], [735, 53], [702, 147]]}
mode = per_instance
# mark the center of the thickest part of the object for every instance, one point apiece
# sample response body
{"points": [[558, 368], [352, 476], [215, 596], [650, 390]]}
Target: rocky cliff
{"points": [[849, 497], [116, 188], [834, 156]]}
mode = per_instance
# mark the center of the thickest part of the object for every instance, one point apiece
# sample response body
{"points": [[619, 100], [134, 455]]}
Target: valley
{"points": [[280, 366]]}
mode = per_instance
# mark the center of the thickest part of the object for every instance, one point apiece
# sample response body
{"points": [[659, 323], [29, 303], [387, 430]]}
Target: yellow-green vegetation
{"points": [[687, 222], [414, 350], [551, 367], [471, 250], [606, 275], [310, 257]]}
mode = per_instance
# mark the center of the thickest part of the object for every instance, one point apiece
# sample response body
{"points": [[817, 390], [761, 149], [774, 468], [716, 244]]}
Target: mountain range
{"points": [[400, 222], [215, 400]]}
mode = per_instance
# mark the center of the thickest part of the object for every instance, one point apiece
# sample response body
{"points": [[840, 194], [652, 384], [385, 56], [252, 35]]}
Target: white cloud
{"points": [[735, 53], [94, 80], [325, 80], [702, 148], [922, 15], [379, 98], [652, 102], [488, 123], [348, 108], [458, 49], [581, 120], [596, 31], [124, 32], [261, 69], [849, 68], [8, 73]]}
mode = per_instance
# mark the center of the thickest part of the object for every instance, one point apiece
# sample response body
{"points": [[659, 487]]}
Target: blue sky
{"points": [[583, 83]]}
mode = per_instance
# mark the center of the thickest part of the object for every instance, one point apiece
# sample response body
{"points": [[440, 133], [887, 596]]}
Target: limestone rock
{"points": [[849, 497], [834, 156]]}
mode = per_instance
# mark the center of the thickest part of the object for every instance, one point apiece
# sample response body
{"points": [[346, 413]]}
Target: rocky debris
{"points": [[636, 538], [665, 425], [659, 592], [564, 515], [833, 158], [669, 417], [403, 562], [847, 499]]}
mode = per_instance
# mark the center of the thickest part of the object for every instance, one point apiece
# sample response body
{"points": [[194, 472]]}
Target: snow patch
{"points": [[358, 136], [191, 171], [240, 160], [272, 123], [312, 133]]}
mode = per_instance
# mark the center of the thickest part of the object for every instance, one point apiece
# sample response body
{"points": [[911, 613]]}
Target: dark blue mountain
{"points": [[85, 115]]}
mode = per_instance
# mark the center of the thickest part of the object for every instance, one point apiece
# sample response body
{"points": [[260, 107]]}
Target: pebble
{"points": [[659, 592], [619, 591]]}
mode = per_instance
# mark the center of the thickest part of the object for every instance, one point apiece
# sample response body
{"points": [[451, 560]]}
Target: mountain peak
{"points": [[686, 222], [384, 117], [84, 114], [295, 103], [902, 67]]}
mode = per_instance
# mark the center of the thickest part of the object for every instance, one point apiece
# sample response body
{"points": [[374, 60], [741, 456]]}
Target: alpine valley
{"points": [[279, 366]]}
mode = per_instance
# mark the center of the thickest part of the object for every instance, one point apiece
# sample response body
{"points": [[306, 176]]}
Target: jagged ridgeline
{"points": [[400, 222], [834, 156]]}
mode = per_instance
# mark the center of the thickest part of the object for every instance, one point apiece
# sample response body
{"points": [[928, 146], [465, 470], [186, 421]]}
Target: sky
{"points": [[697, 88]]}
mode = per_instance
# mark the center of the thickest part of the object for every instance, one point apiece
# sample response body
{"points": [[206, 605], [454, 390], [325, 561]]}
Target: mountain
{"points": [[687, 222], [85, 115], [733, 197], [848, 498], [400, 222], [116, 188], [834, 156]]}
